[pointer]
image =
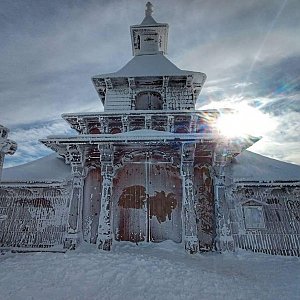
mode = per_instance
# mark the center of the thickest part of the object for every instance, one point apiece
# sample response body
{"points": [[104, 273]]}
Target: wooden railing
{"points": [[280, 244]]}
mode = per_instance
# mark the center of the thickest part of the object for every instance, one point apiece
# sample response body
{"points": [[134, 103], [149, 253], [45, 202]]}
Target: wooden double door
{"points": [[146, 202]]}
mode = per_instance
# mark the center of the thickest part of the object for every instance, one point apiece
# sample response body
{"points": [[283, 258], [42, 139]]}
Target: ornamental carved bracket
{"points": [[166, 81], [188, 152], [7, 146], [189, 81], [81, 125], [106, 153], [100, 86], [108, 83], [131, 83]]}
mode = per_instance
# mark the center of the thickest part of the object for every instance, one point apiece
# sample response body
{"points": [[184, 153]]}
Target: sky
{"points": [[49, 50]]}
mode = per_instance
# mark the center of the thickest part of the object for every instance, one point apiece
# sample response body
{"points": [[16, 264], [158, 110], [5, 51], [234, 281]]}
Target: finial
{"points": [[149, 9]]}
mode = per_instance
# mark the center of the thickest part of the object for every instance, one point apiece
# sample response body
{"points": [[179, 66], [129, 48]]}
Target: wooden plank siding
{"points": [[36, 218], [270, 243], [281, 219]]}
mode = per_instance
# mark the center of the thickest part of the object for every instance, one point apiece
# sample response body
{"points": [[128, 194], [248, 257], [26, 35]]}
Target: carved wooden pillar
{"points": [[74, 229], [193, 122], [165, 92], [132, 93], [188, 202], [125, 123], [1, 163], [6, 146], [170, 123], [104, 239], [148, 122], [102, 125], [224, 239]]}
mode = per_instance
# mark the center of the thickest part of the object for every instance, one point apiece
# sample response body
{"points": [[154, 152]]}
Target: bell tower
{"points": [[149, 81], [149, 37]]}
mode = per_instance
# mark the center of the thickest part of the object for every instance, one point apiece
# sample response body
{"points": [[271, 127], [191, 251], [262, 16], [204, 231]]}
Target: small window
{"points": [[148, 101], [254, 217]]}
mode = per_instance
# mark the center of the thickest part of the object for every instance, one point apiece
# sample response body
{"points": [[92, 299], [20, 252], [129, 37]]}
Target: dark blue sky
{"points": [[250, 51]]}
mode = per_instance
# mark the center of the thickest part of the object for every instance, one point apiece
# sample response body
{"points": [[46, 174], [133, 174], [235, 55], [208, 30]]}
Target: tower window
{"points": [[148, 101]]}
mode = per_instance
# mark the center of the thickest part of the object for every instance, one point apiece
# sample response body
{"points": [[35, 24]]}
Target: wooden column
{"points": [[104, 239], [6, 146], [191, 242], [1, 163], [170, 123], [224, 239], [74, 233]]}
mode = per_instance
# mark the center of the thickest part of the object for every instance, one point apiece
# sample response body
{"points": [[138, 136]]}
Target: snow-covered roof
{"points": [[50, 168], [149, 65], [249, 166], [148, 20]]}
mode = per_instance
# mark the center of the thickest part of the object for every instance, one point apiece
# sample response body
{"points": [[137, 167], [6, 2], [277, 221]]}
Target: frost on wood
{"points": [[6, 146], [35, 216], [150, 168]]}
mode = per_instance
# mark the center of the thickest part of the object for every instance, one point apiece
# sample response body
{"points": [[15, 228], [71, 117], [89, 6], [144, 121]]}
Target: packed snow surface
{"points": [[156, 271]]}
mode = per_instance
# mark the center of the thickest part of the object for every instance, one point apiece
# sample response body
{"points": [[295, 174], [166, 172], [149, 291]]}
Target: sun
{"points": [[244, 120]]}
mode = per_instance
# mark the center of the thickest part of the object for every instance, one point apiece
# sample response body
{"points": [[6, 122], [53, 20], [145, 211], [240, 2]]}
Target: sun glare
{"points": [[245, 120]]}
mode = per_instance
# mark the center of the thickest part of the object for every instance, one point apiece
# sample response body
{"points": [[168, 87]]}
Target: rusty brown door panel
{"points": [[164, 202], [147, 202], [129, 212]]}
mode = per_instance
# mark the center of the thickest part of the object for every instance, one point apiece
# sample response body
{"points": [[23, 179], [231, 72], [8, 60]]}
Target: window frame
{"points": [[251, 225]]}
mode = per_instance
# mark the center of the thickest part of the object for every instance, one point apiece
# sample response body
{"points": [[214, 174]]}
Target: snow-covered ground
{"points": [[157, 271]]}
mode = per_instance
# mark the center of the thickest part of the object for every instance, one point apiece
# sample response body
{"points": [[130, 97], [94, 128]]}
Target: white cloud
{"points": [[29, 147]]}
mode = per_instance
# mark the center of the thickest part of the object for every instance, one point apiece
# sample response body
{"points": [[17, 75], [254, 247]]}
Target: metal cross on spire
{"points": [[149, 9]]}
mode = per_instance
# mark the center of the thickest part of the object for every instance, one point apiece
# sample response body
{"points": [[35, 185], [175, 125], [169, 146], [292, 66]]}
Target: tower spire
{"points": [[149, 37], [149, 9]]}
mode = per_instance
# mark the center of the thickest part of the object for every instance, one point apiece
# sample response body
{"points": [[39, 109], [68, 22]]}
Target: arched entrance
{"points": [[146, 201]]}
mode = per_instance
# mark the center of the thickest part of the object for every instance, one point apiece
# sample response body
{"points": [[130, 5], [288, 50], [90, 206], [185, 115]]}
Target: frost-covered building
{"points": [[151, 168]]}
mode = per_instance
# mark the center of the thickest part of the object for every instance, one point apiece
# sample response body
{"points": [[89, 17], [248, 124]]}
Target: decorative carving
{"points": [[108, 83], [104, 239], [6, 146], [189, 213]]}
